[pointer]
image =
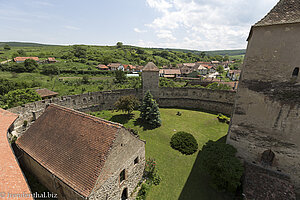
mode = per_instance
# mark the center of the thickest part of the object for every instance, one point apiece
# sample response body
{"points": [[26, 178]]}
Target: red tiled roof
{"points": [[207, 63], [189, 64], [171, 71], [45, 92], [51, 59], [207, 66], [114, 65], [71, 145], [102, 66], [11, 177], [25, 58]]}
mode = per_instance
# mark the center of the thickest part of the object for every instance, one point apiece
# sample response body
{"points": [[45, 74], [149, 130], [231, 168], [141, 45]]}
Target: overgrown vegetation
{"points": [[218, 86], [218, 160], [151, 176], [184, 142], [19, 97]]}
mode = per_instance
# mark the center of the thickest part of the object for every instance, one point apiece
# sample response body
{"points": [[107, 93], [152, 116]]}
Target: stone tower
{"points": [[150, 78], [265, 126]]}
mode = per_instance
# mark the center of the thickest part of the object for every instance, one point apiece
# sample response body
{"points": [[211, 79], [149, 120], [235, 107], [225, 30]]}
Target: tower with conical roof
{"points": [[265, 126], [150, 78]]}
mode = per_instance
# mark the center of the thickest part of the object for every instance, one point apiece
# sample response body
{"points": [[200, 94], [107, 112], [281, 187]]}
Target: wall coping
{"points": [[12, 180]]}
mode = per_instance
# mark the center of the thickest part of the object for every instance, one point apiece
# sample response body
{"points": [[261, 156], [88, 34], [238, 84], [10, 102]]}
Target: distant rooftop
{"points": [[285, 12], [46, 93]]}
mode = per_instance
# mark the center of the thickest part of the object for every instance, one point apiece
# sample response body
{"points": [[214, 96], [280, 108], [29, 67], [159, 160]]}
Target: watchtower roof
{"points": [[285, 12], [150, 67]]}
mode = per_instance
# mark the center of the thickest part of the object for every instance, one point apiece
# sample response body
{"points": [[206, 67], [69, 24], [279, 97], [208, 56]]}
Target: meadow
{"points": [[181, 177]]}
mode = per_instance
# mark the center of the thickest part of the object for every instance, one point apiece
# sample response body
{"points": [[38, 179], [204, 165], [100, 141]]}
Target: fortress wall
{"points": [[217, 101], [92, 101]]}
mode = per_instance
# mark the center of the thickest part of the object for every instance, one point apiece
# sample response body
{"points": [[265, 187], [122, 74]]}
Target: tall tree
{"points": [[120, 76], [6, 47], [79, 51], [149, 111], [30, 65], [127, 103], [119, 44]]}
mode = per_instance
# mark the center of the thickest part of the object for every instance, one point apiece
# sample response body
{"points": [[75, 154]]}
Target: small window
{"points": [[136, 160], [267, 157], [296, 72], [122, 175]]}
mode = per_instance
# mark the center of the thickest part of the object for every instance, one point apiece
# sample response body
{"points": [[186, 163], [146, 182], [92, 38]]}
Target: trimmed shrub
{"points": [[219, 161], [184, 142]]}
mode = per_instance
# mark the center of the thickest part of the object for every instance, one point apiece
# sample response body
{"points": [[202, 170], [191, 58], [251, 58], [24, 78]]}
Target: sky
{"points": [[186, 24]]}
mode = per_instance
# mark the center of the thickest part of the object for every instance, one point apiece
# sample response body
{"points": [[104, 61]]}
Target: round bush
{"points": [[184, 142]]}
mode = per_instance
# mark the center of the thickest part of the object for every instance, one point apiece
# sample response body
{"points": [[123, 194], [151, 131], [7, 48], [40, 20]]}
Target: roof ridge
{"points": [[87, 116]]}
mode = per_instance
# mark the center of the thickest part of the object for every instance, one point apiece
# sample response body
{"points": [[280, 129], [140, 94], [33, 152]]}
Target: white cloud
{"points": [[214, 24], [160, 5], [72, 27], [165, 34], [139, 30]]}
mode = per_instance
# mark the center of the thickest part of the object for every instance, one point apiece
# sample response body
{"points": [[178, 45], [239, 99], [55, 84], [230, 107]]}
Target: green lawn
{"points": [[180, 174]]}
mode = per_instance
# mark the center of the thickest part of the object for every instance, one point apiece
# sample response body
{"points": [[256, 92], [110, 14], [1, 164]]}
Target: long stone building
{"points": [[78, 156], [265, 125]]}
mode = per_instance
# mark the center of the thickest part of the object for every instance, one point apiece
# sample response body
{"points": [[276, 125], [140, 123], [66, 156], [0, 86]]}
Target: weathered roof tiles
{"points": [[71, 145], [285, 12]]}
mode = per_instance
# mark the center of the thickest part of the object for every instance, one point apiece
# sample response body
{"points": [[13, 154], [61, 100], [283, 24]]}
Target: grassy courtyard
{"points": [[181, 177]]}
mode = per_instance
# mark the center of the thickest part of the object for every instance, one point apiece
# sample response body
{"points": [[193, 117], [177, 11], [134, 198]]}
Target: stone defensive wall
{"points": [[216, 101], [92, 101]]}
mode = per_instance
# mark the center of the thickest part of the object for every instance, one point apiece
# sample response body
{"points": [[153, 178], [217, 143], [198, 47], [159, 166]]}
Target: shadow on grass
{"points": [[122, 118], [198, 185], [141, 123]]}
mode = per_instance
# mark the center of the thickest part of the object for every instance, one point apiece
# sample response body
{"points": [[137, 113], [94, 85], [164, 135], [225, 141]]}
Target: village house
{"points": [[215, 62], [169, 73], [78, 156], [115, 66], [102, 67], [233, 74], [185, 70], [139, 68], [45, 93], [190, 65], [22, 59], [202, 69], [129, 68], [51, 60]]}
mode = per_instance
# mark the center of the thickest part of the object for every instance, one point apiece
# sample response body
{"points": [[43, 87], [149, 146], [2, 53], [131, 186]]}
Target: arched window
{"points": [[296, 72], [124, 194]]}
